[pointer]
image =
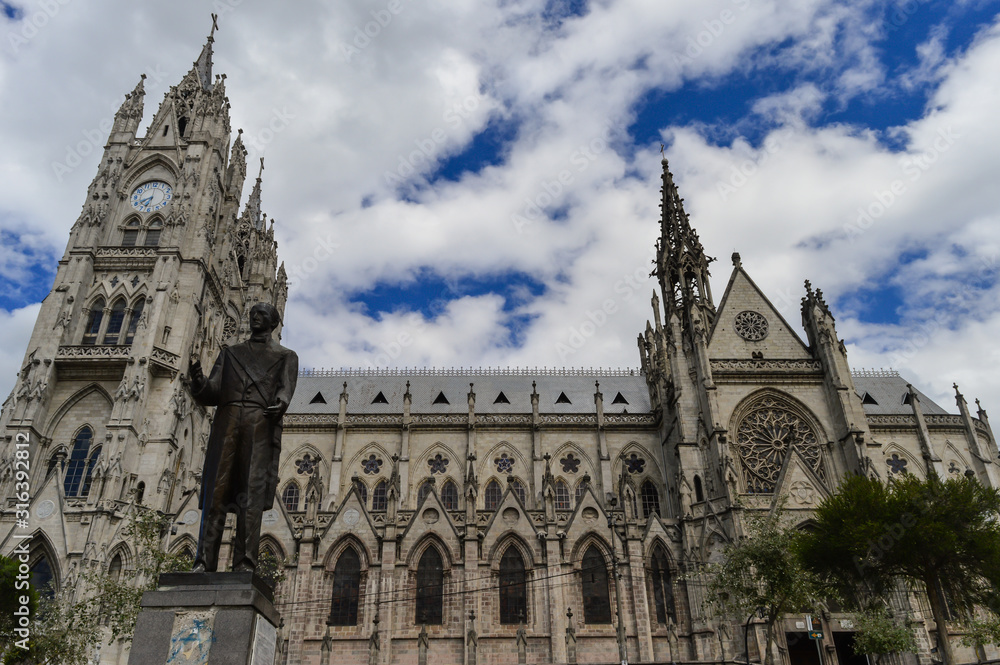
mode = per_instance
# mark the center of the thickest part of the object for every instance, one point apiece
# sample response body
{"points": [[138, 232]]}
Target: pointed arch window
{"points": [[424, 490], [362, 491], [562, 496], [133, 322], [379, 500], [115, 569], [115, 321], [290, 497], [131, 234], [346, 586], [650, 499], [581, 489], [430, 585], [94, 456], [153, 234], [94, 322], [517, 487], [596, 596], [77, 462], [699, 492], [513, 588], [41, 576], [492, 495], [663, 590], [449, 495], [140, 491]]}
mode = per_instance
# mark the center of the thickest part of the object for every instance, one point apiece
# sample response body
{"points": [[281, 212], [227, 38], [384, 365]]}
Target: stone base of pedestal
{"points": [[206, 619]]}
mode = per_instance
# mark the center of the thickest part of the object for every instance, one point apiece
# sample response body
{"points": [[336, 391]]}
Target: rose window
{"points": [[504, 463], [570, 464], [306, 465], [897, 465], [438, 464], [765, 437], [371, 465], [751, 325], [634, 463]]}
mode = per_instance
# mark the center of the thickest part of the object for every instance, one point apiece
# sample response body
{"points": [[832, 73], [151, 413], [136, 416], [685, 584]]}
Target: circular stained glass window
{"points": [[766, 436], [751, 325]]}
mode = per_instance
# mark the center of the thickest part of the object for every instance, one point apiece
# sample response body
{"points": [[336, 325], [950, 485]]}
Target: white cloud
{"points": [[431, 78]]}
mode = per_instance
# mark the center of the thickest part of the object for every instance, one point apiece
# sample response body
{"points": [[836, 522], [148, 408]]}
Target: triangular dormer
{"points": [[748, 326]]}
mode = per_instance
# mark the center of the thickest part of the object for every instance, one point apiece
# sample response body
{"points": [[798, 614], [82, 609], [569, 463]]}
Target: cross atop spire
{"points": [[203, 65]]}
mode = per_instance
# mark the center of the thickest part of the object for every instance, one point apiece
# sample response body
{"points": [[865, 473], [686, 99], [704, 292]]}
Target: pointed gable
{"points": [[748, 326], [510, 517], [798, 486]]}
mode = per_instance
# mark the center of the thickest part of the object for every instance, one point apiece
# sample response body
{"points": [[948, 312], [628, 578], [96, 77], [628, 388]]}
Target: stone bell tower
{"points": [[160, 264]]}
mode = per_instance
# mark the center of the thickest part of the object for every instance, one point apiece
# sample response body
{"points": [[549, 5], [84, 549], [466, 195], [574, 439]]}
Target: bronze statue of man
{"points": [[251, 385]]}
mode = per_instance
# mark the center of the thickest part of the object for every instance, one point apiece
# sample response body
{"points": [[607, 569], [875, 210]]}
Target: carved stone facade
{"points": [[463, 516]]}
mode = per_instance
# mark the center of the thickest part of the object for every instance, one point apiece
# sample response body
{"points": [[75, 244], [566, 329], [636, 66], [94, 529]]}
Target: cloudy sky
{"points": [[414, 150]]}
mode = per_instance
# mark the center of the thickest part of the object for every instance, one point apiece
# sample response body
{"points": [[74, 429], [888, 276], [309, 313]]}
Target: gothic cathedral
{"points": [[493, 517]]}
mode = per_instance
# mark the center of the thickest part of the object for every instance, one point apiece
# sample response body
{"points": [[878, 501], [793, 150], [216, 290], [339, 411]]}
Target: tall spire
{"points": [[129, 114], [252, 210], [203, 65], [681, 264]]}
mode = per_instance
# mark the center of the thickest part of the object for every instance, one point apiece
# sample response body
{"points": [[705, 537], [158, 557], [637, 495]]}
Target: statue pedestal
{"points": [[207, 619]]}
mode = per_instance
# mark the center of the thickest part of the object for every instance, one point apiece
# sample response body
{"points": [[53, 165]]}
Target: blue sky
{"points": [[845, 143]]}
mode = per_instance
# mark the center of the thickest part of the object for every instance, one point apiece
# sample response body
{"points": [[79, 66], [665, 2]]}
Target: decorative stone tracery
{"points": [[764, 438]]}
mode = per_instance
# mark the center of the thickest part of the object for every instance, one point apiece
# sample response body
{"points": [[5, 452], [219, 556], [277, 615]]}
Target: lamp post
{"points": [[620, 632]]}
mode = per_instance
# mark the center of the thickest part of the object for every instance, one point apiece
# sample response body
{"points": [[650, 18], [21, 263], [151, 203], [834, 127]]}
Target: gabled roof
{"points": [[888, 388], [363, 388], [742, 294]]}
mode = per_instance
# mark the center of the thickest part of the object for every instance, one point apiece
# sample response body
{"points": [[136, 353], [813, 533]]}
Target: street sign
{"points": [[815, 634]]}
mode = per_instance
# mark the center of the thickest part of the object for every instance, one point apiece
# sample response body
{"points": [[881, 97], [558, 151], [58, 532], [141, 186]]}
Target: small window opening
{"points": [[318, 399], [501, 399], [868, 399], [907, 399], [562, 399], [619, 399], [182, 125], [441, 399], [166, 128], [380, 399], [699, 493]]}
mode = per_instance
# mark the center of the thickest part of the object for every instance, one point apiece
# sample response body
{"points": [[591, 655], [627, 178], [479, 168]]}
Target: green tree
{"points": [[943, 535], [69, 625], [762, 573]]}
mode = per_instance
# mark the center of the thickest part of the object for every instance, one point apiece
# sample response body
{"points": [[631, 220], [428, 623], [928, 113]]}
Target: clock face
{"points": [[151, 196]]}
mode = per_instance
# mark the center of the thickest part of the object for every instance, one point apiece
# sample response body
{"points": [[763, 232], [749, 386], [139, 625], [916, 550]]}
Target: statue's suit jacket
{"points": [[243, 379]]}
